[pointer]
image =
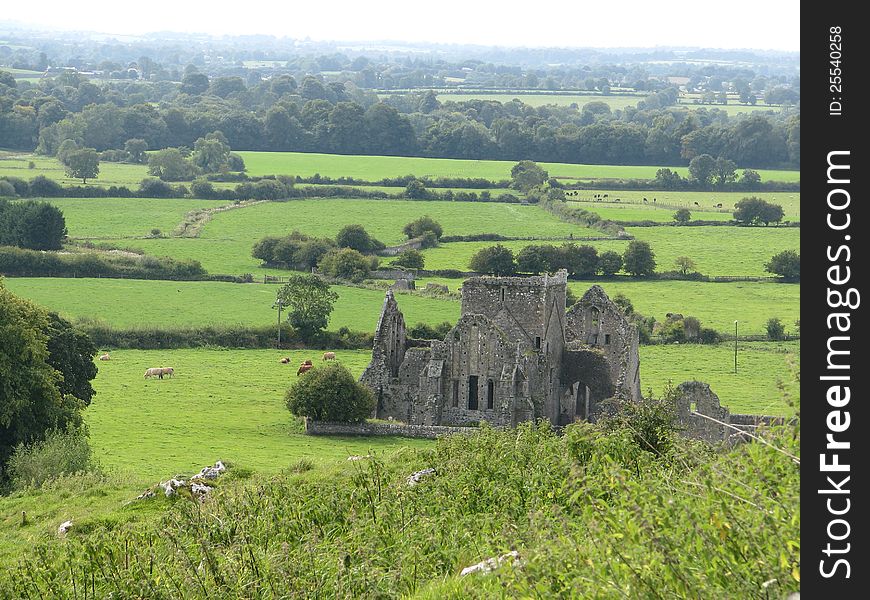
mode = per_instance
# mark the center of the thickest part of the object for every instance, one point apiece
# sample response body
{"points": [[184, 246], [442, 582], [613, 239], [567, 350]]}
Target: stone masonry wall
{"points": [[370, 429]]}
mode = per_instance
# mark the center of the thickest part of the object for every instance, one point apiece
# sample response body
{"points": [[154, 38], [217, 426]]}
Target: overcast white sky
{"points": [[761, 24]]}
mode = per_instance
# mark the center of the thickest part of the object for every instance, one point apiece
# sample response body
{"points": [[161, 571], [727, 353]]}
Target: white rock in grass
{"points": [[64, 527], [199, 490], [490, 564], [414, 478]]}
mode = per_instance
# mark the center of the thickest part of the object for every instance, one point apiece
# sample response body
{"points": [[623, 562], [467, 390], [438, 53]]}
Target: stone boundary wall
{"points": [[430, 432]]}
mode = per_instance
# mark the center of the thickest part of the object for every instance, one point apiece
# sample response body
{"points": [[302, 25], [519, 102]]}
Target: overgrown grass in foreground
{"points": [[593, 513]]}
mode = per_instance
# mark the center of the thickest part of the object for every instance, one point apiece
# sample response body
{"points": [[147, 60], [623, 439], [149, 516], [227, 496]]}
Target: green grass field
{"points": [[125, 217], [753, 389], [128, 303], [633, 208], [384, 219], [16, 165], [373, 168], [220, 404], [723, 251], [369, 168]]}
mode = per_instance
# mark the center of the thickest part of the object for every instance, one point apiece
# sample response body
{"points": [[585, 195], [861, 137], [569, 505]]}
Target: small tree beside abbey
{"points": [[330, 393]]}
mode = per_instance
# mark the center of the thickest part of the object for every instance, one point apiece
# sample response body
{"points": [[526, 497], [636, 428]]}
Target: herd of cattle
{"points": [[307, 365]]}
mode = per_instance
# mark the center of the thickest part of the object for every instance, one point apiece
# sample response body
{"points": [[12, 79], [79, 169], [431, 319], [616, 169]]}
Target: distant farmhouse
{"points": [[515, 355]]}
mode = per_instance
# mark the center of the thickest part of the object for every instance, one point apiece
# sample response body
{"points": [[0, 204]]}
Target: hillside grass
{"points": [[590, 513], [384, 219], [111, 173], [130, 303], [373, 168], [125, 217]]}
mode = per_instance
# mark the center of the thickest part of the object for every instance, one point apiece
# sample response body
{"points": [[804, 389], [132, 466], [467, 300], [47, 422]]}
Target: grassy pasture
{"points": [[632, 207], [125, 217], [137, 303], [16, 165], [732, 251], [372, 168], [220, 404], [754, 389], [384, 219]]}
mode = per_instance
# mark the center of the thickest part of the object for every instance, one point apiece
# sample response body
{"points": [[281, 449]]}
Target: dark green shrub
{"points": [[330, 393]]}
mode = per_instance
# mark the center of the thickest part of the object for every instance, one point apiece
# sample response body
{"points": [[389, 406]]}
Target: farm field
{"points": [[16, 165], [373, 168], [369, 168], [130, 303], [725, 251], [125, 217], [753, 389], [384, 219], [220, 404], [631, 204]]}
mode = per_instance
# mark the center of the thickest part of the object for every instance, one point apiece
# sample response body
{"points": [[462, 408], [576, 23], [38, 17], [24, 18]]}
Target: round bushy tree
{"points": [[609, 263], [786, 264], [410, 259], [330, 393], [419, 227], [639, 259], [496, 260]]}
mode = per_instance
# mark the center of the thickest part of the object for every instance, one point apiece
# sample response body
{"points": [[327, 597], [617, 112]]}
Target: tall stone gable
{"points": [[506, 359], [596, 322]]}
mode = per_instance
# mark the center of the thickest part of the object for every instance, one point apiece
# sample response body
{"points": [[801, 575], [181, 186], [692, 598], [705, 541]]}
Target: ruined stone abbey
{"points": [[516, 354]]}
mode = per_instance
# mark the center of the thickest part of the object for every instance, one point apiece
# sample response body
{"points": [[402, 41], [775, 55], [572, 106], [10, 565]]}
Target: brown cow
{"points": [[304, 368], [285, 360], [329, 356]]}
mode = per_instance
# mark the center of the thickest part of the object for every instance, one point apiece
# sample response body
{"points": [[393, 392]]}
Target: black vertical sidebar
{"points": [[835, 424]]}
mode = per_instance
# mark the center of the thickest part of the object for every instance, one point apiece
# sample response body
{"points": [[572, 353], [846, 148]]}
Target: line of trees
{"points": [[333, 117], [581, 261]]}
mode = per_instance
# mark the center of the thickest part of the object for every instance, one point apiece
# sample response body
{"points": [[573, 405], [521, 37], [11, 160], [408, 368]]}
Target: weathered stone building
{"points": [[516, 354]]}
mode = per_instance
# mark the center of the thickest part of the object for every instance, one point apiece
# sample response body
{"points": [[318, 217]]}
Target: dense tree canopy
{"points": [[31, 402], [31, 224], [330, 393]]}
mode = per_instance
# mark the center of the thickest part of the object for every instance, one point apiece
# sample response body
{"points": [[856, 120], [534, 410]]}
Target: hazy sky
{"points": [[762, 24]]}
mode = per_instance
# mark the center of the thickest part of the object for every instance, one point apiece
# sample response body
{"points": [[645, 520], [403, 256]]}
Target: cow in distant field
{"points": [[154, 371], [105, 356], [166, 371], [285, 360], [304, 367], [329, 356]]}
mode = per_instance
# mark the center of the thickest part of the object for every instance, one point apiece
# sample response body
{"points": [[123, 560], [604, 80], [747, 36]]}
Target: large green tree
{"points": [[639, 259], [71, 352], [82, 164], [526, 175], [495, 260], [309, 300], [30, 402]]}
